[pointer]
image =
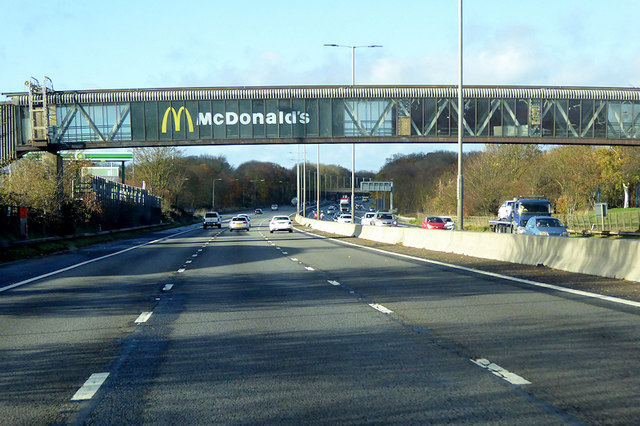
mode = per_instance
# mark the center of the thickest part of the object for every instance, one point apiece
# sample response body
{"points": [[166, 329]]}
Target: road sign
{"points": [[371, 186]]}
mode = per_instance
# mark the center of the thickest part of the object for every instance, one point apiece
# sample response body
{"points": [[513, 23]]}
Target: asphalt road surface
{"points": [[196, 326]]}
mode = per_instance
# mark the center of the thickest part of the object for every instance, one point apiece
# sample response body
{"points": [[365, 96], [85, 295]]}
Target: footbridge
{"points": [[42, 119]]}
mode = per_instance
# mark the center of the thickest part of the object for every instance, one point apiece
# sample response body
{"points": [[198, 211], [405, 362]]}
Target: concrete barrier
{"points": [[593, 256]]}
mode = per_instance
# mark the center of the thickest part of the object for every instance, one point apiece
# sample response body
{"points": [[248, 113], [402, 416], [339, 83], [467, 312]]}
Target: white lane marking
{"points": [[284, 252], [336, 283], [194, 255], [199, 250], [167, 287], [309, 268], [90, 387], [86, 262], [380, 308], [188, 261], [490, 274], [501, 372], [294, 259], [144, 317], [181, 270]]}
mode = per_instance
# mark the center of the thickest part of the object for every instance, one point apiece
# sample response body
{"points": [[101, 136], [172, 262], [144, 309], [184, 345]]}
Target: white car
{"points": [[274, 207], [384, 219], [367, 218], [246, 217], [448, 223], [237, 223], [505, 209], [344, 218], [280, 223]]}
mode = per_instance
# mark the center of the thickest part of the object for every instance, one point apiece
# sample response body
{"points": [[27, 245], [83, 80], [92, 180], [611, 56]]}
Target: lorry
{"points": [[513, 220], [345, 203]]}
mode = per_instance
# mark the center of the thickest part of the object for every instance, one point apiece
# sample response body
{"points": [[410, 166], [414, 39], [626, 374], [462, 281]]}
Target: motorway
{"points": [[194, 326]]}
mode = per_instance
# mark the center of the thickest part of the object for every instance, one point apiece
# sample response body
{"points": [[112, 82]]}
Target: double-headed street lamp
{"points": [[353, 145]]}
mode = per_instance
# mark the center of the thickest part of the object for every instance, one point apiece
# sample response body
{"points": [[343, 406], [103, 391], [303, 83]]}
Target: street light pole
{"points": [[460, 191], [213, 194], [353, 145]]}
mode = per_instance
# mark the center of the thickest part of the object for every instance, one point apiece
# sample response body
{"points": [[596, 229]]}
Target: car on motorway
{"points": [[367, 218], [344, 218], [547, 226], [211, 219], [433, 222], [246, 216], [448, 223], [258, 211], [237, 223], [384, 219], [280, 223], [274, 207], [331, 210]]}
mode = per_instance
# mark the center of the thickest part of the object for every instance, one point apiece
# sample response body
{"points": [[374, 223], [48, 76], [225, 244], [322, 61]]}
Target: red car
{"points": [[433, 222]]}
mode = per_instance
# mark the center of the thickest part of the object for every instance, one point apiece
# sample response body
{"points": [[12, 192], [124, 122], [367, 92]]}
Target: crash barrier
{"points": [[593, 256]]}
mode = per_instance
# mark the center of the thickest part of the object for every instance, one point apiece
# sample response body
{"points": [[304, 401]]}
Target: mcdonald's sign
{"points": [[176, 119]]}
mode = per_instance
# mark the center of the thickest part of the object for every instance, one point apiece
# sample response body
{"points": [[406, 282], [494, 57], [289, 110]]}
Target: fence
{"points": [[123, 205], [615, 221]]}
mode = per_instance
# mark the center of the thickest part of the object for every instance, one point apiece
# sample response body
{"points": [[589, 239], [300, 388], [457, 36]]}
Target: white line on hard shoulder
{"points": [[86, 262], [90, 387], [489, 274]]}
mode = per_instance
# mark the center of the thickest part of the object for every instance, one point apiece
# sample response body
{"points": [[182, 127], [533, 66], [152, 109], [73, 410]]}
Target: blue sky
{"points": [[148, 44]]}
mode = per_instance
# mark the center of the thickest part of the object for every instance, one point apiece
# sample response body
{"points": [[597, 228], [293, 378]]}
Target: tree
{"points": [[620, 166], [160, 168]]}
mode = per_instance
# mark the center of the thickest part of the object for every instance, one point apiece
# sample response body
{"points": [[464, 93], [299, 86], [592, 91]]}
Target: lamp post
{"points": [[255, 184], [460, 186], [353, 145], [213, 194]]}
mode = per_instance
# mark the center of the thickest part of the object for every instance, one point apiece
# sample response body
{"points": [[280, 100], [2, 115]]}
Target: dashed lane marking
{"points": [[336, 283], [501, 372], [309, 268], [90, 387], [380, 308], [144, 317], [167, 287]]}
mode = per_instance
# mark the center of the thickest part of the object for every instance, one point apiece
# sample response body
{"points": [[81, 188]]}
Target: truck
{"points": [[211, 219], [513, 220], [345, 203]]}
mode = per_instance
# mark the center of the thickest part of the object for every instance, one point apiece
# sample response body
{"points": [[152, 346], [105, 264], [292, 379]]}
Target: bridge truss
{"points": [[43, 119]]}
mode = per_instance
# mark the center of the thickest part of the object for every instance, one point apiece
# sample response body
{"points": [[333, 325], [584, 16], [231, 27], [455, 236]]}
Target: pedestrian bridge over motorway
{"points": [[44, 119]]}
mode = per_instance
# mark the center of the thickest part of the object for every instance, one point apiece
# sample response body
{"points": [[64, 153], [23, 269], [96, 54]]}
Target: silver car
{"points": [[384, 219]]}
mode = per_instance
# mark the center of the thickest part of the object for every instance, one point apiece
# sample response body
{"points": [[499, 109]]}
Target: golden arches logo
{"points": [[176, 119]]}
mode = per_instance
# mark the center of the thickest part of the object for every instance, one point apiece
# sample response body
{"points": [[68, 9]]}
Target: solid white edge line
{"points": [[90, 387], [490, 274], [86, 262]]}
